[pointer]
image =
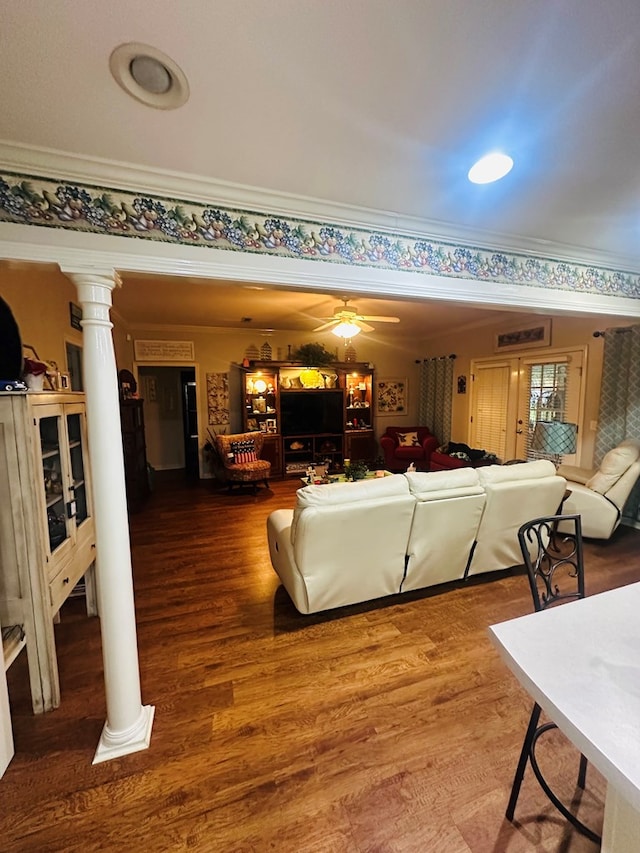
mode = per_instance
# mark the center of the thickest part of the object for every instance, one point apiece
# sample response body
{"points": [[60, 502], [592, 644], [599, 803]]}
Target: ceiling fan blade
{"points": [[379, 319], [326, 325], [364, 326]]}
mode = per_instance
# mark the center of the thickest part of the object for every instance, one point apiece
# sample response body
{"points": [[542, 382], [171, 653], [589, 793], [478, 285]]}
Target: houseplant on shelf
{"points": [[313, 355]]}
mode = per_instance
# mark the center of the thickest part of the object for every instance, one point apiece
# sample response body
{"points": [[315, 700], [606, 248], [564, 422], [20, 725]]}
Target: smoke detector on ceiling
{"points": [[149, 76]]}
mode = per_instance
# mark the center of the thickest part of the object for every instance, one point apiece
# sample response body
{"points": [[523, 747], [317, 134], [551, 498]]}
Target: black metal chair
{"points": [[555, 568]]}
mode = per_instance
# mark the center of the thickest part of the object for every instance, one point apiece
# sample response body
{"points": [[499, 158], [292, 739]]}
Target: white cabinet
{"points": [[47, 540]]}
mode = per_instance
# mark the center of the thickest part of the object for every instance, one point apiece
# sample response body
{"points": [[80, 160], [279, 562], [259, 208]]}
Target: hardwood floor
{"points": [[391, 727]]}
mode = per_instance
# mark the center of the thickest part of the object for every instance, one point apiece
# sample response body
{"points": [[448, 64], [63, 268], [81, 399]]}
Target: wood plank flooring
{"points": [[390, 727]]}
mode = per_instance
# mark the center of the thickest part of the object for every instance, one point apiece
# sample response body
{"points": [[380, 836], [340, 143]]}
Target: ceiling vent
{"points": [[149, 76]]}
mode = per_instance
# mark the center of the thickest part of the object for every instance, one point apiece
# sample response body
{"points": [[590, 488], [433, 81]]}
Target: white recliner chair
{"points": [[599, 496]]}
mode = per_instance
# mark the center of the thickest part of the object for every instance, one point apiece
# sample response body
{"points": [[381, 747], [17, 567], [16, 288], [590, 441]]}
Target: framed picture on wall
{"points": [[391, 396], [533, 335]]}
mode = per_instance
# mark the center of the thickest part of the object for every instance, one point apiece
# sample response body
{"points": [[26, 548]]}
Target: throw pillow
{"points": [[243, 451], [408, 439]]}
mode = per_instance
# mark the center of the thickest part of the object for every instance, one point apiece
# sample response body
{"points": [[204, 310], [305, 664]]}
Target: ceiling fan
{"points": [[347, 323]]}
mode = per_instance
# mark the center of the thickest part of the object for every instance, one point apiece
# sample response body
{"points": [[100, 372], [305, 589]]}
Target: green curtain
{"points": [[619, 415], [436, 395]]}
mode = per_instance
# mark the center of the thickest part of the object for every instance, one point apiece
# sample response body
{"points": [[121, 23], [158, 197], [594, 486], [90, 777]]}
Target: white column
{"points": [[128, 725]]}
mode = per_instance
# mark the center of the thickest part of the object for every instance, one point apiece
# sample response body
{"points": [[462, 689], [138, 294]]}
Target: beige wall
{"points": [[161, 388], [566, 332], [39, 297], [222, 350]]}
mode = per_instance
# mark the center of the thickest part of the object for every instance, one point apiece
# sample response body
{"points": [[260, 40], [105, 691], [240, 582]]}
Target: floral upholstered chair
{"points": [[239, 456]]}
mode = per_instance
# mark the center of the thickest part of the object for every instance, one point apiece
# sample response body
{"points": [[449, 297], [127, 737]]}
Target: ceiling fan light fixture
{"points": [[346, 330], [490, 168]]}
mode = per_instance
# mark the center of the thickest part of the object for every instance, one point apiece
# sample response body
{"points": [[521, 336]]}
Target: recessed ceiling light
{"points": [[152, 75], [149, 76], [490, 168]]}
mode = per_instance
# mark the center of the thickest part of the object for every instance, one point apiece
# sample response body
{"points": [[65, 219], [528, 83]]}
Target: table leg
{"points": [[621, 829]]}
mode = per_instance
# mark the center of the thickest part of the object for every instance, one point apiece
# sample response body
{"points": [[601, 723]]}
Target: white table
{"points": [[581, 664]]}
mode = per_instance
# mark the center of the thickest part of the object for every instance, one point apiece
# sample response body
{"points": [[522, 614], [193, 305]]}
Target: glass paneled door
{"points": [[54, 478], [550, 392], [62, 452], [510, 396], [78, 486]]}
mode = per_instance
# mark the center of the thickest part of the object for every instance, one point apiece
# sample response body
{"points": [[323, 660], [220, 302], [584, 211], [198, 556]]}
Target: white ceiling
{"points": [[381, 104], [144, 301]]}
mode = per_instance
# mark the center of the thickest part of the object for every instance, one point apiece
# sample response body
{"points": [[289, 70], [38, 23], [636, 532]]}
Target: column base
{"points": [[138, 738]]}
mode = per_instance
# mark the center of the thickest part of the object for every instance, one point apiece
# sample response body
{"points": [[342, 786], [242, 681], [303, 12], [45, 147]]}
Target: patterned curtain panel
{"points": [[436, 394], [619, 415]]}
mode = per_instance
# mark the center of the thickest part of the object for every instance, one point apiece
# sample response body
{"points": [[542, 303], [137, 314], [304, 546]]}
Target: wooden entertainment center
{"points": [[309, 415]]}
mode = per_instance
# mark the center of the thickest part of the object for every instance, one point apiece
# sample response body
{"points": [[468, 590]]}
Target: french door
{"points": [[510, 396]]}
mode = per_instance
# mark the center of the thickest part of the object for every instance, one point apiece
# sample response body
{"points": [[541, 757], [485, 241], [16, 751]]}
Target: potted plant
{"points": [[313, 355], [356, 470]]}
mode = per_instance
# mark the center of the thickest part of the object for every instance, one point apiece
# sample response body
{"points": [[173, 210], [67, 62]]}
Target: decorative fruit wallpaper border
{"points": [[99, 210]]}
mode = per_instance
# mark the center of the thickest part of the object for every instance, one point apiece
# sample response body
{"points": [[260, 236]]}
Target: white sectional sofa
{"points": [[350, 542]]}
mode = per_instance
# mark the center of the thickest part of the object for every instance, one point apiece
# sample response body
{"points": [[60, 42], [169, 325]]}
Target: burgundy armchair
{"points": [[416, 446]]}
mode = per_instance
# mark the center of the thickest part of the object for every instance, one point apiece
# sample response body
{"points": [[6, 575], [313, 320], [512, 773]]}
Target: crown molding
{"points": [[53, 164], [68, 250]]}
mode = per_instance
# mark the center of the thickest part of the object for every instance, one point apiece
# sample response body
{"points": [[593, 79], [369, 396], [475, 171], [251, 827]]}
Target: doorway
{"points": [[510, 396], [190, 423], [171, 417]]}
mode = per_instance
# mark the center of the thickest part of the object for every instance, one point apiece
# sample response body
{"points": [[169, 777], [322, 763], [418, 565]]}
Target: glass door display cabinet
{"points": [[47, 539], [360, 443], [62, 434], [261, 411], [260, 401]]}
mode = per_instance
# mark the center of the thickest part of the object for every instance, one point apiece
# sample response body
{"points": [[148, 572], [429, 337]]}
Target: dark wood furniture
{"points": [[135, 453], [309, 415]]}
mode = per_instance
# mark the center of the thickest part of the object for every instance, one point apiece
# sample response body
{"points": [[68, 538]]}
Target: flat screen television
{"points": [[311, 412]]}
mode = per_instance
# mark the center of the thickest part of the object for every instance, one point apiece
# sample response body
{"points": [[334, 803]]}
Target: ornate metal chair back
{"points": [[553, 560]]}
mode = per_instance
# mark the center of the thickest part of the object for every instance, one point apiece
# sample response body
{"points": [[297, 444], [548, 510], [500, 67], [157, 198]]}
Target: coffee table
{"points": [[340, 478]]}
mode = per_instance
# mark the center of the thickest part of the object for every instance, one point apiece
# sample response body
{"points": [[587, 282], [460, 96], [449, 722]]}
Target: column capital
{"points": [[94, 285], [100, 276]]}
